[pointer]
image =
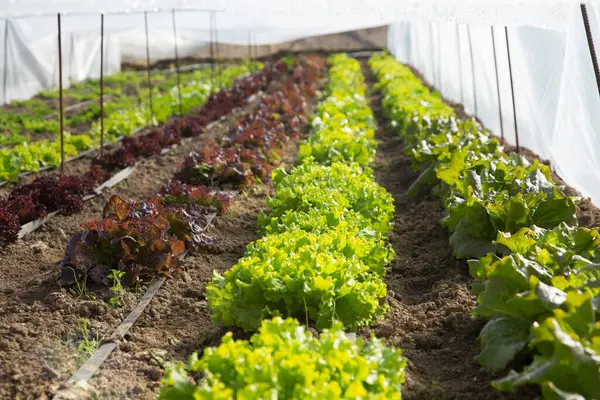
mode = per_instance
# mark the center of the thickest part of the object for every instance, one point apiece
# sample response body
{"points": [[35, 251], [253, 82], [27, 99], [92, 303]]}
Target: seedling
{"points": [[117, 288], [89, 345]]}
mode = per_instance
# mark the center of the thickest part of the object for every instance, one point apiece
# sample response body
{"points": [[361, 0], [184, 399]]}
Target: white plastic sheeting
{"points": [[556, 96], [28, 45]]}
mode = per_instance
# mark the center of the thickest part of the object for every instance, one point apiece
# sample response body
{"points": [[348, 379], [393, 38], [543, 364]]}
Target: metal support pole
{"points": [[512, 90], [460, 75], [497, 82], [5, 71], [148, 69], [177, 64], [440, 66], [217, 50], [255, 45], [590, 40], [101, 84], [250, 50], [212, 54], [472, 69], [60, 94], [433, 72]]}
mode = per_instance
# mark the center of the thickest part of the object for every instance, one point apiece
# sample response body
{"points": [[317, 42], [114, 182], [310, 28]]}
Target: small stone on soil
{"points": [[39, 247]]}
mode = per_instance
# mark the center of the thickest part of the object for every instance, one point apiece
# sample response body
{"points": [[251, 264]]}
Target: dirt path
{"points": [[39, 321], [429, 290]]}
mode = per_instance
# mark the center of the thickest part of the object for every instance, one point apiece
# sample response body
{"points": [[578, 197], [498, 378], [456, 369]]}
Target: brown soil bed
{"points": [[39, 331], [429, 291]]}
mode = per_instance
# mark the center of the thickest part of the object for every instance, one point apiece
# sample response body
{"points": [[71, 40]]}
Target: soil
{"points": [[429, 291], [40, 323]]}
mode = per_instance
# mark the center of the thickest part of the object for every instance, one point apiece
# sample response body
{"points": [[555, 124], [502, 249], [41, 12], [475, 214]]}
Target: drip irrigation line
{"points": [[87, 370]]}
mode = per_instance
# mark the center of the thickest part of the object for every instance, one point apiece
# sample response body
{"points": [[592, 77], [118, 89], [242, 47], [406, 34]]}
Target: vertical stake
{"points": [[60, 94], [497, 82], [433, 73], [5, 71], [217, 50], [150, 122], [472, 69], [441, 70], [460, 76], [512, 90], [250, 51], [255, 45], [590, 40], [177, 64], [212, 54], [101, 84]]}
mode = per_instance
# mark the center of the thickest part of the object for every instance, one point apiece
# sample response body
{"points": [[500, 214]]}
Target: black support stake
{"points": [[148, 69], [590, 40], [440, 66], [497, 82], [512, 90], [431, 47], [460, 75], [101, 84], [5, 71], [472, 70], [60, 97], [212, 54], [177, 64], [217, 49], [250, 60]]}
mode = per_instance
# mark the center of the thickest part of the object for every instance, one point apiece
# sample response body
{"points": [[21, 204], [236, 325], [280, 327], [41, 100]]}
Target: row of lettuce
{"points": [[22, 120], [65, 193], [538, 273], [124, 121], [321, 261]]}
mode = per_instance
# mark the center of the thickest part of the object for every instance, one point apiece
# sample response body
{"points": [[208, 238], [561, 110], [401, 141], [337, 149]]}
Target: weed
{"points": [[89, 345], [117, 288]]}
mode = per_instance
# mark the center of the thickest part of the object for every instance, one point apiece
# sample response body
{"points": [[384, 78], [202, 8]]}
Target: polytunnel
{"points": [[291, 200]]}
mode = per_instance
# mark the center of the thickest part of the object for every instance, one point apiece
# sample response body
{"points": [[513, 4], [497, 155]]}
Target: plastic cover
{"points": [[556, 96]]}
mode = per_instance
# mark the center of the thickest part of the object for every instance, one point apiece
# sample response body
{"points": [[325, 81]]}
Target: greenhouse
{"points": [[347, 199]]}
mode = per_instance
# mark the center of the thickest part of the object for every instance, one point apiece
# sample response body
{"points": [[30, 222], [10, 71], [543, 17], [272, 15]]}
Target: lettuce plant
{"points": [[285, 361]]}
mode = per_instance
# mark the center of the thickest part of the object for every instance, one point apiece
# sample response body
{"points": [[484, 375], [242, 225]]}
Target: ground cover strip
{"points": [[32, 119], [65, 193], [137, 241], [538, 272], [321, 262], [123, 122]]}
